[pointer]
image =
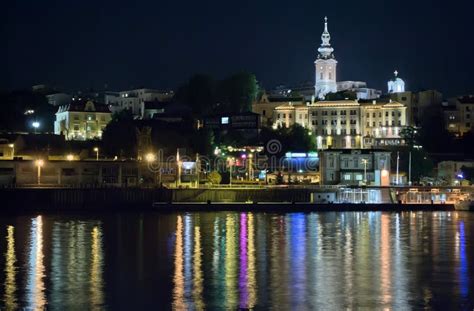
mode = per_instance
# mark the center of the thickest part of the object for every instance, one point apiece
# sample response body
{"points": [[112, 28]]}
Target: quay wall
{"points": [[112, 199]]}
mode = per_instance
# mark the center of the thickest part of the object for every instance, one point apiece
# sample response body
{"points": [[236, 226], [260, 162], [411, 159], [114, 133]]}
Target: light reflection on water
{"points": [[231, 260]]}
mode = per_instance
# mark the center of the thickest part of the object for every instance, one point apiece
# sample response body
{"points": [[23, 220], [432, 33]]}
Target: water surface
{"points": [[231, 260]]}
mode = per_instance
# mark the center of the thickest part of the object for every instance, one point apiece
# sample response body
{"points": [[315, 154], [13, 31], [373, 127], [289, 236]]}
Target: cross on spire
{"points": [[396, 72]]}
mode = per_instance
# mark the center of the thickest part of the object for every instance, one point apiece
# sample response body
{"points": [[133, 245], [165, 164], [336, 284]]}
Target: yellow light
{"points": [[39, 163], [11, 145], [96, 149], [70, 157], [150, 157]]}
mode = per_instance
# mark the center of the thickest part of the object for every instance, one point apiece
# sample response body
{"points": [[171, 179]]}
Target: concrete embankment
{"points": [[112, 199]]}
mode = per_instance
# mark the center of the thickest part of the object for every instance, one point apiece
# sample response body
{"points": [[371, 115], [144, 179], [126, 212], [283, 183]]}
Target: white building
{"points": [[134, 100], [325, 66], [59, 99], [396, 85], [82, 120], [355, 167], [359, 88]]}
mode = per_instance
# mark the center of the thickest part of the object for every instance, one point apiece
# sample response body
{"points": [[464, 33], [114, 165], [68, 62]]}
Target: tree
{"points": [[341, 95], [199, 94], [237, 92], [119, 137], [214, 178], [411, 135]]}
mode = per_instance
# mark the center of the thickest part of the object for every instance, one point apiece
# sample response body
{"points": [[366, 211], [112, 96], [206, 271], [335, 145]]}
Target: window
{"points": [[404, 98], [356, 163], [468, 124], [399, 114], [330, 76], [353, 131], [278, 116], [284, 115], [76, 127], [353, 112], [313, 122], [468, 116], [333, 122], [343, 122], [367, 115], [346, 163], [225, 120], [343, 113], [393, 113], [301, 116], [373, 115], [347, 176], [373, 124], [386, 122], [334, 113], [380, 114], [393, 123], [324, 113], [263, 112], [290, 115], [359, 177], [386, 113], [321, 76], [399, 123], [368, 124], [343, 131]]}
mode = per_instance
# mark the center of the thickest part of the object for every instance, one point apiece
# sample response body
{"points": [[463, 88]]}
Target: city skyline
{"points": [[89, 45]]}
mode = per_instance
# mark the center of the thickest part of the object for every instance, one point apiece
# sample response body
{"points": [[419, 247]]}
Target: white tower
{"points": [[325, 66], [396, 85]]}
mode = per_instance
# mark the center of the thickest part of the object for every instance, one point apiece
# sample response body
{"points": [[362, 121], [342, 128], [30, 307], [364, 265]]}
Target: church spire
{"points": [[325, 51]]}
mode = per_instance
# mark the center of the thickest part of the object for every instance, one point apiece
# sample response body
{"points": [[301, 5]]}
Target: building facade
{"points": [[459, 115], [82, 120], [359, 88], [134, 100], [355, 167], [346, 123]]}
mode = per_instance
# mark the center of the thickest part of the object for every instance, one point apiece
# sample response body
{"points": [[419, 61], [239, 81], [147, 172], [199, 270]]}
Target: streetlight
{"points": [[39, 163], [365, 170], [96, 149], [36, 125], [150, 157], [13, 150], [70, 157]]}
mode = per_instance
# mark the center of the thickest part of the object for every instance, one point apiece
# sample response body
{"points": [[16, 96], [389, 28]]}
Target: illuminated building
{"points": [[353, 167], [82, 120], [382, 123], [325, 66], [266, 104]]}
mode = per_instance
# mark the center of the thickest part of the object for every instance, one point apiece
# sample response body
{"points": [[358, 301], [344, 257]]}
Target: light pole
{"points": [[13, 150], [398, 163], [39, 164], [150, 158], [230, 170], [365, 170], [96, 149]]}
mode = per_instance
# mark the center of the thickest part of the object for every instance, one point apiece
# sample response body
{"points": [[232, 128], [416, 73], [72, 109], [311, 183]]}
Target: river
{"points": [[232, 260]]}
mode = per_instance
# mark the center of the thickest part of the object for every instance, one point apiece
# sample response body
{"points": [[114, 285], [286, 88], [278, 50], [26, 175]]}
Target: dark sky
{"points": [[77, 44]]}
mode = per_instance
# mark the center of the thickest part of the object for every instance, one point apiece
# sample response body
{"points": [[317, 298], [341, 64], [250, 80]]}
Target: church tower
{"points": [[325, 65]]}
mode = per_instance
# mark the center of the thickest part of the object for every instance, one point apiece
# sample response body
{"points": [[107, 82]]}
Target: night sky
{"points": [[79, 44]]}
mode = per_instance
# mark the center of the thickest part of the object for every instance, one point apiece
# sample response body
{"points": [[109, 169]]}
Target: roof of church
{"points": [[83, 106]]}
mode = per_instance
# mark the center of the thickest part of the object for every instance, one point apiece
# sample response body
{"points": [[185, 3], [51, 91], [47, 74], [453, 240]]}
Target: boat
{"points": [[465, 204]]}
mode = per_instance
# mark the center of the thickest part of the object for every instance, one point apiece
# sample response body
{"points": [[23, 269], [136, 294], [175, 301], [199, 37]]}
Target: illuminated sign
{"points": [[225, 120]]}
